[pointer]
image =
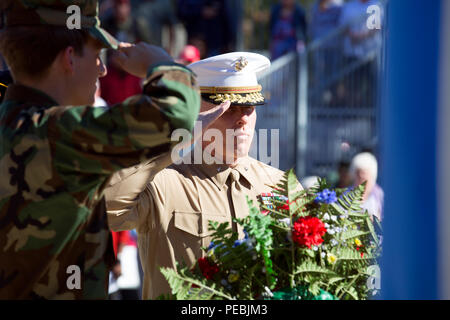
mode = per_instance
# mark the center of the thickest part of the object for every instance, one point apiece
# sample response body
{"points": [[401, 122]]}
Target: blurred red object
{"points": [[120, 239], [118, 85], [189, 54]]}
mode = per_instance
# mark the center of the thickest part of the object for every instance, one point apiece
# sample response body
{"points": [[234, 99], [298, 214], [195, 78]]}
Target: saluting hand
{"points": [[136, 59], [209, 113]]}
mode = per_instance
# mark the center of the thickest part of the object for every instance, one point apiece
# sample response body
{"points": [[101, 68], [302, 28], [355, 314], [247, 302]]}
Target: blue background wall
{"points": [[408, 151]]}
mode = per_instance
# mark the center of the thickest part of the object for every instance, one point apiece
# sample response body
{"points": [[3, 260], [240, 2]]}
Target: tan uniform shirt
{"points": [[171, 215]]}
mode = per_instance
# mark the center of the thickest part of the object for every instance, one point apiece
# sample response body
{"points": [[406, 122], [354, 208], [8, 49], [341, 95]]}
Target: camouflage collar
{"points": [[21, 93]]}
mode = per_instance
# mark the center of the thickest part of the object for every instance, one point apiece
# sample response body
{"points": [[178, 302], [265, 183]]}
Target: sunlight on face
{"points": [[88, 68], [240, 122]]}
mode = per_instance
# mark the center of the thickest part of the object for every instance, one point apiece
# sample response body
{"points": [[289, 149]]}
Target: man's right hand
{"points": [[209, 113], [136, 59]]}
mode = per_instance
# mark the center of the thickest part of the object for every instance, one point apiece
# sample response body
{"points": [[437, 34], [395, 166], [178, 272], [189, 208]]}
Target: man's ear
{"points": [[66, 60]]}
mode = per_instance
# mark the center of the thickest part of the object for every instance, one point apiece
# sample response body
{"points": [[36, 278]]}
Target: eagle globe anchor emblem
{"points": [[240, 64]]}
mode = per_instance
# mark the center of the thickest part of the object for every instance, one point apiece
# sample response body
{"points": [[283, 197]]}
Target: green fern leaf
{"points": [[372, 230], [353, 234], [347, 254], [335, 279], [352, 292], [181, 284], [310, 267]]}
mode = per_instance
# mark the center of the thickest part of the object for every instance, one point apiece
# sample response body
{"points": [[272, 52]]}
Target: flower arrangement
{"points": [[315, 244]]}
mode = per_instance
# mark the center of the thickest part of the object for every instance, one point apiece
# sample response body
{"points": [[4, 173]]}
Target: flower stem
{"points": [[322, 263], [348, 286], [292, 282]]}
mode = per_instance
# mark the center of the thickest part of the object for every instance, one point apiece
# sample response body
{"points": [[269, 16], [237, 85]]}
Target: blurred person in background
{"points": [[364, 168], [152, 16], [105, 8], [287, 28], [209, 25], [324, 19], [116, 271], [344, 176], [189, 13], [119, 85], [124, 279], [359, 42], [123, 25]]}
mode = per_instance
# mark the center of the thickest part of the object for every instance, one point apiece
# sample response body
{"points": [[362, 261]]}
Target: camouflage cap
{"points": [[57, 13]]}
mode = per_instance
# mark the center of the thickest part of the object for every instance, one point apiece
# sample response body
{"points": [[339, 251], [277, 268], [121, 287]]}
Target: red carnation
{"points": [[208, 269], [308, 231]]}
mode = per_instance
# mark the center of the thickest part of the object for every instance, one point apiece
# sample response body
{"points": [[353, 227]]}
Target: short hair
{"points": [[365, 161], [30, 50]]}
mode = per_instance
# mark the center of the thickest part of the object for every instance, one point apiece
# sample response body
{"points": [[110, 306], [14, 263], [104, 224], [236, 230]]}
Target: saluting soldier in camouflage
{"points": [[57, 152]]}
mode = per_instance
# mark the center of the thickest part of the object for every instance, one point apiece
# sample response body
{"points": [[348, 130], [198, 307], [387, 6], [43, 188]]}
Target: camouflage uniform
{"points": [[55, 161], [5, 81]]}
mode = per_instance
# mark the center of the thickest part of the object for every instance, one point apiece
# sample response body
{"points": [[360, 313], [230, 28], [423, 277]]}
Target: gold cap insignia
{"points": [[240, 64]]}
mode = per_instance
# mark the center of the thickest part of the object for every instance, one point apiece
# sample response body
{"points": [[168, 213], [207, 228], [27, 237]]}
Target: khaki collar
{"points": [[219, 173], [28, 96]]}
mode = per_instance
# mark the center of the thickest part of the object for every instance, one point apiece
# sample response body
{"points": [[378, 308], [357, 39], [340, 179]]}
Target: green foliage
{"points": [[187, 286], [269, 259], [258, 228]]}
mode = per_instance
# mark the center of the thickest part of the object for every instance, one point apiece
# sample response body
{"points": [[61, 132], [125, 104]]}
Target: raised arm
{"points": [[88, 140], [128, 199]]}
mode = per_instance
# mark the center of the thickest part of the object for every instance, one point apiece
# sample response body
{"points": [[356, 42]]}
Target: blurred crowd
{"points": [[341, 43], [195, 29], [188, 29], [291, 26]]}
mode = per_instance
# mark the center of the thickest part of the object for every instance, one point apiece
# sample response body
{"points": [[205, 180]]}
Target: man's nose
{"points": [[244, 115]]}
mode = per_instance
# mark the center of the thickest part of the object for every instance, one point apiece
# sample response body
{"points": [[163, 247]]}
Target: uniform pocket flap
{"points": [[196, 223]]}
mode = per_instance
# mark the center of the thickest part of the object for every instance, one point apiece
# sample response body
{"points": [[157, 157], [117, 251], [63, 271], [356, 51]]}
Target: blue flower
{"points": [[326, 196], [238, 243], [211, 246], [247, 240]]}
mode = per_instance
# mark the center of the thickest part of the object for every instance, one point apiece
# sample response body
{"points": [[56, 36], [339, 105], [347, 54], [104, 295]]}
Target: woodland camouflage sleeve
{"points": [[103, 140]]}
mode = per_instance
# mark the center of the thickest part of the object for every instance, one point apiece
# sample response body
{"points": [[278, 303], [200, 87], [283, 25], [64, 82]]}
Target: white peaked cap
{"points": [[231, 76], [220, 71]]}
